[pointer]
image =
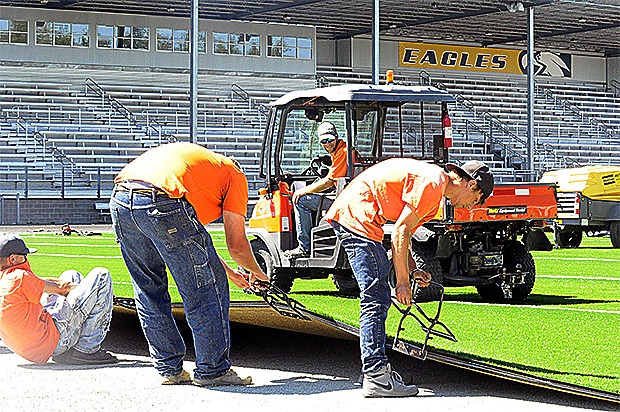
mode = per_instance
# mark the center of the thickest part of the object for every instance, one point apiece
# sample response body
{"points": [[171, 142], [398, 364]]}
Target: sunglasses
{"points": [[326, 140]]}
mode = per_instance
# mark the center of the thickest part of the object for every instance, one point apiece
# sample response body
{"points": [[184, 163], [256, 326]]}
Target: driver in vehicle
{"points": [[306, 200]]}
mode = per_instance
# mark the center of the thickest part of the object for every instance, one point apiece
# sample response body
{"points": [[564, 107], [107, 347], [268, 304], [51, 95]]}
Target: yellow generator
{"points": [[588, 201]]}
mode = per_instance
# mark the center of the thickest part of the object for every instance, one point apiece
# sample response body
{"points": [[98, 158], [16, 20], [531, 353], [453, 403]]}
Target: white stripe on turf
{"points": [[611, 312]]}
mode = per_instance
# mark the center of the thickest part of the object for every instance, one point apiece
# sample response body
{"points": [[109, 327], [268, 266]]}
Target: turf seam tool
{"points": [[423, 320]]}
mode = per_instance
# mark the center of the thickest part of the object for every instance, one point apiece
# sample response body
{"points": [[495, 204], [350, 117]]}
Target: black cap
{"points": [[13, 245], [477, 171]]}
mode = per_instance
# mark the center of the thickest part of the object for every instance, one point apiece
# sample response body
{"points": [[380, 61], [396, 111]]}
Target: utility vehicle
{"points": [[480, 247]]}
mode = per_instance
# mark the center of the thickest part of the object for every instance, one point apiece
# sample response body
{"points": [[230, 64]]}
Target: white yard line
{"points": [[79, 256], [577, 277], [70, 244], [610, 312], [578, 259]]}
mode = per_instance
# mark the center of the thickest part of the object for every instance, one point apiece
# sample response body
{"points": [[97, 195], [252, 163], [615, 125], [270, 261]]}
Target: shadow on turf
{"points": [[532, 300], [330, 293], [533, 369]]}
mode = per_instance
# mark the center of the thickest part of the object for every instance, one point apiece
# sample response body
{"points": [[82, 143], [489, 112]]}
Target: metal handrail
{"points": [[240, 92], [244, 95], [577, 111], [126, 112], [115, 104], [47, 145]]}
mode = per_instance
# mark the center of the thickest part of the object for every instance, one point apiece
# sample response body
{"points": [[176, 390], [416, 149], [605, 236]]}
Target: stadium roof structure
{"points": [[583, 25]]}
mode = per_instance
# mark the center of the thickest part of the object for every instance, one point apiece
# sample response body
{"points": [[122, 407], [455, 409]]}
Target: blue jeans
{"points": [[304, 207], [155, 231], [371, 267], [83, 316]]}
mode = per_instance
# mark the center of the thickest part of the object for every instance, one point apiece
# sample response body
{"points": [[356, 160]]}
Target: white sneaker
{"points": [[386, 383]]}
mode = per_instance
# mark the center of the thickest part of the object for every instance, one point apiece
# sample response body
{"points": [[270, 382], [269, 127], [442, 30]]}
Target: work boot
{"points": [[298, 252], [227, 379], [179, 379], [75, 357], [386, 383]]}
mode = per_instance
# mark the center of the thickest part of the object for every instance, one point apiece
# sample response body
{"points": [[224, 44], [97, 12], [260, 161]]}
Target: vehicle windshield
{"points": [[407, 132], [300, 142]]}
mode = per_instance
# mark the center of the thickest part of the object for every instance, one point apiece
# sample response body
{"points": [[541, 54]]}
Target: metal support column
{"points": [[375, 42], [193, 75], [530, 93]]}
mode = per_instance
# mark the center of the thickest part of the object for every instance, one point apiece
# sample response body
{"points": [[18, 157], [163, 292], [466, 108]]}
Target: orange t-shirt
{"points": [[339, 161], [209, 181], [24, 326], [380, 193]]}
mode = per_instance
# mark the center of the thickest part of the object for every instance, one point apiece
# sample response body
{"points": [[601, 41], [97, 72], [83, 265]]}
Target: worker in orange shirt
{"points": [[409, 193], [306, 200], [65, 318], [160, 204]]}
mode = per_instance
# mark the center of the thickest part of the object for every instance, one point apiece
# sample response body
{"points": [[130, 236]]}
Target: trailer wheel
{"points": [[280, 278], [346, 283], [516, 256], [569, 238], [614, 234], [424, 260]]}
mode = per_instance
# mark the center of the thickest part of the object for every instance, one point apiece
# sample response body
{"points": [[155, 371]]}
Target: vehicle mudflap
{"points": [[427, 323], [278, 300]]}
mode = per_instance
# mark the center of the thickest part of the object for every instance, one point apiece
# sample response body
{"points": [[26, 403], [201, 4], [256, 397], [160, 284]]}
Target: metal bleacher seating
{"points": [[50, 128], [575, 123], [97, 121]]}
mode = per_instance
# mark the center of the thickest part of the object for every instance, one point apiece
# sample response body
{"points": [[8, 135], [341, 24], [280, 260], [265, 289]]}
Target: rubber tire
{"points": [[425, 260], [282, 279], [569, 238], [614, 234], [536, 239], [514, 253], [346, 283]]}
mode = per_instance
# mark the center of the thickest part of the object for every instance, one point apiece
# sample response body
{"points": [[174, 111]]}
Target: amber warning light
{"points": [[389, 77]]}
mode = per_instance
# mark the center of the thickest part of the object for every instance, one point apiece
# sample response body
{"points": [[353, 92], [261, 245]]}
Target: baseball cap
{"points": [[13, 245], [327, 130], [477, 171]]}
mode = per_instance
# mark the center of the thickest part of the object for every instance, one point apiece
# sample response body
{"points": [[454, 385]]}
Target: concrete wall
{"points": [[50, 211], [613, 69], [152, 58]]}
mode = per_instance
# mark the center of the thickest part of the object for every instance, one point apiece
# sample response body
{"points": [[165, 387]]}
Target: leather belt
{"points": [[137, 187]]}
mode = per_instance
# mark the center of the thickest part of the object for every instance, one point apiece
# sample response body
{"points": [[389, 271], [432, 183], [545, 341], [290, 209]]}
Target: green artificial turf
{"points": [[567, 330]]}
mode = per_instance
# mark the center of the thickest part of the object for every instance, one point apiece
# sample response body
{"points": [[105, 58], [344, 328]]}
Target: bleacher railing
{"points": [[578, 111], [106, 99], [244, 95], [49, 147]]}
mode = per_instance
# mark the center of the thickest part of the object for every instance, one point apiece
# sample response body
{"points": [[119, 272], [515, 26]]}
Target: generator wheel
{"points": [[614, 234], [281, 278], [569, 238], [346, 283], [424, 260], [516, 256]]}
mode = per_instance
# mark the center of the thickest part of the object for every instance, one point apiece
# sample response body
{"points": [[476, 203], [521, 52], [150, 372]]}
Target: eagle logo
{"points": [[548, 64]]}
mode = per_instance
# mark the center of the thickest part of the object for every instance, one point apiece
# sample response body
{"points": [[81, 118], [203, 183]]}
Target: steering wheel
{"points": [[319, 166]]}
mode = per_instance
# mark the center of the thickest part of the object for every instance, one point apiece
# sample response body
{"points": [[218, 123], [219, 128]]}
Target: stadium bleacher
{"points": [[576, 124]]}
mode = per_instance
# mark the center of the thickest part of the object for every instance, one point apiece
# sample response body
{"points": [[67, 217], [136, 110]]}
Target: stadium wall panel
{"points": [[54, 211], [153, 59]]}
